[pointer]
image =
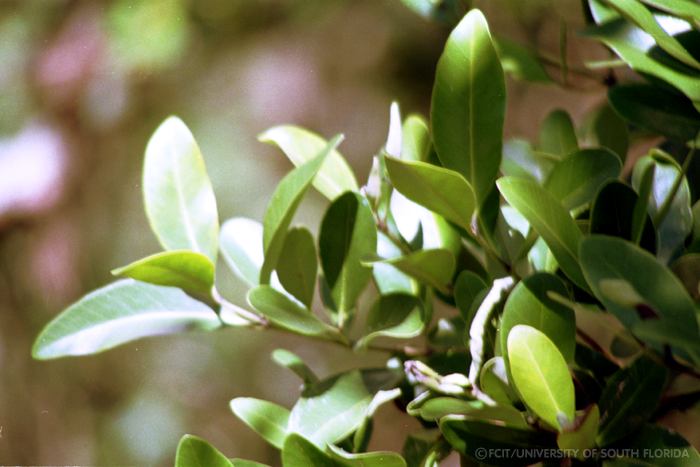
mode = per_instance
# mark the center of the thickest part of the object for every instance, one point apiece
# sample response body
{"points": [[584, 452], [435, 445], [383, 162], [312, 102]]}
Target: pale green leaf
{"points": [[178, 195], [284, 203], [185, 269], [541, 376], [335, 175], [241, 245], [118, 313], [193, 451], [267, 419], [441, 190]]}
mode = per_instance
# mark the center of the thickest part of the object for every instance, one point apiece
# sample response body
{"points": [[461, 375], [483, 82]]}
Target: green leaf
{"points": [[629, 398], [348, 233], [530, 303], [246, 463], [606, 128], [468, 288], [557, 134], [583, 434], [520, 62], [468, 105], [656, 109], [608, 258], [387, 278], [195, 452], [297, 265], [521, 160], [541, 376], [118, 313], [613, 214], [267, 419], [178, 195], [282, 311], [332, 409], [335, 175], [636, 13], [482, 439], [550, 220], [493, 380], [576, 180], [686, 9], [366, 459], [185, 269], [418, 447], [242, 248], [284, 203], [677, 223], [434, 267], [633, 45], [437, 407], [415, 141], [649, 442], [399, 316], [293, 362], [443, 191], [299, 452]]}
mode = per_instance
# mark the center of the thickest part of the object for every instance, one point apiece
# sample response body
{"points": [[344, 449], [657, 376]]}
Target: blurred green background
{"points": [[83, 84]]}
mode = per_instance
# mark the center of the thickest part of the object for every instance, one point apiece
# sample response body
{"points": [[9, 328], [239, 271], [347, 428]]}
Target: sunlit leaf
{"points": [[530, 303], [399, 316], [282, 311], [195, 452], [550, 220], [185, 269], [300, 452], [241, 245], [283, 204], [441, 190], [433, 267], [468, 105], [118, 313], [335, 175], [267, 419], [541, 376], [178, 195], [366, 459]]}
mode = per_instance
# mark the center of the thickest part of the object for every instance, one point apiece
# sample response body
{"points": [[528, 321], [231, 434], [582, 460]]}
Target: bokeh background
{"points": [[82, 86]]}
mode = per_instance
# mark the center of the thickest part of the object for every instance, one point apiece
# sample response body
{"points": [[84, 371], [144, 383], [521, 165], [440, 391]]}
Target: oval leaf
{"points": [[297, 265], [550, 220], [299, 452], [541, 376], [443, 191], [468, 105], [434, 267], [185, 269], [557, 134], [195, 452], [118, 313], [529, 303], [267, 419], [576, 180], [178, 195], [399, 316], [335, 175], [608, 258], [347, 234], [241, 245], [282, 311], [284, 203]]}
